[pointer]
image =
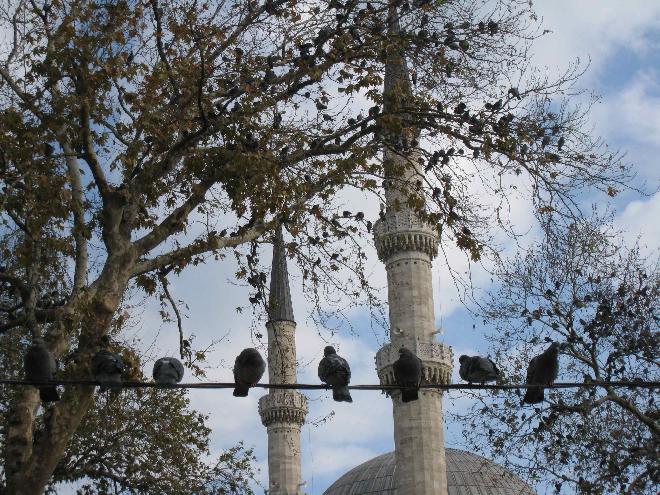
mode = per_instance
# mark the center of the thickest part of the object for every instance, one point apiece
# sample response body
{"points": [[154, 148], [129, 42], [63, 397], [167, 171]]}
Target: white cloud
{"points": [[593, 29], [633, 113], [639, 221], [332, 459]]}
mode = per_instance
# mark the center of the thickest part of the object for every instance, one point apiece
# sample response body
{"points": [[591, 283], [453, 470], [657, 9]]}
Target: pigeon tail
{"points": [[241, 390], [49, 394], [341, 394], [491, 377], [534, 395], [409, 395]]}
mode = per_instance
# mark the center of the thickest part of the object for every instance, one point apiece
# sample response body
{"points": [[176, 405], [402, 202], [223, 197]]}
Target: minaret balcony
{"points": [[283, 406], [404, 231], [436, 359]]}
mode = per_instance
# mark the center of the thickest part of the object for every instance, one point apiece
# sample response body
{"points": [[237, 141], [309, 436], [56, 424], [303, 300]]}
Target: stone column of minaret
{"points": [[407, 247], [282, 412]]}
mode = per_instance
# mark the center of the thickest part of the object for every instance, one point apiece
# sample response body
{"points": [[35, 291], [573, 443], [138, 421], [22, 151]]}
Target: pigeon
{"points": [[168, 371], [107, 367], [542, 370], [477, 369], [334, 370], [248, 370], [408, 373], [40, 366]]}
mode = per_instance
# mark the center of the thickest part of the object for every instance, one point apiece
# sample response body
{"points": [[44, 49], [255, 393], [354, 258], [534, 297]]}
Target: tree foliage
{"points": [[140, 441], [142, 137], [149, 441], [584, 288]]}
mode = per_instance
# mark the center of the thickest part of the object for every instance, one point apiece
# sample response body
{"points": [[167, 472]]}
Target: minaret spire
{"points": [[280, 307], [282, 411], [407, 246]]}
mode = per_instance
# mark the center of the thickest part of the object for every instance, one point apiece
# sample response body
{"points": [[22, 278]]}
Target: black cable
{"points": [[305, 386]]}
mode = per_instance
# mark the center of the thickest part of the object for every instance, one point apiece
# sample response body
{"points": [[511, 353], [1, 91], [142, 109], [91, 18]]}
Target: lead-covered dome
{"points": [[467, 474]]}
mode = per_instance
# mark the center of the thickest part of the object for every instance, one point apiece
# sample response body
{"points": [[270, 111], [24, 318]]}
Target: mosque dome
{"points": [[467, 474]]}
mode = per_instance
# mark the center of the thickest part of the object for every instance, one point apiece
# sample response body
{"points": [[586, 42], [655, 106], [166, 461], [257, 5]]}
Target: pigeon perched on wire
{"points": [[107, 367], [40, 366], [408, 374], [477, 369], [249, 367], [168, 371], [334, 370], [542, 371]]}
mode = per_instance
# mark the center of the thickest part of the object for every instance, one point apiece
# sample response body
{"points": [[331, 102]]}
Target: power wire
{"points": [[304, 386]]}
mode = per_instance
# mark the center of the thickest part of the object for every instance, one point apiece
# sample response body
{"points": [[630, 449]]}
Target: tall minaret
{"points": [[282, 411], [407, 247]]}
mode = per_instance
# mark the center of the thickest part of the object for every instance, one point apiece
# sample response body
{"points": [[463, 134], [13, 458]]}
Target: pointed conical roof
{"points": [[397, 76], [397, 81], [280, 307]]}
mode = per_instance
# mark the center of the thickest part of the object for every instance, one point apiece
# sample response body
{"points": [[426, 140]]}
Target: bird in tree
{"points": [[40, 366], [335, 371], [248, 370], [168, 371], [408, 374], [542, 370], [107, 367], [478, 369]]}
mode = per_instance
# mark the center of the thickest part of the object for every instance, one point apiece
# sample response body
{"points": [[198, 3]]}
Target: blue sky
{"points": [[622, 42]]}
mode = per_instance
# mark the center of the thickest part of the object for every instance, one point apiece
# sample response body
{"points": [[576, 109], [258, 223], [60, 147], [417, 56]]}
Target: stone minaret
{"points": [[407, 247], [282, 411]]}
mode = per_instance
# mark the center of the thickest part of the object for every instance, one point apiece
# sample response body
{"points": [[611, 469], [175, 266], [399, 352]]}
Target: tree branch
{"points": [[165, 283], [90, 153], [200, 247], [632, 409], [73, 169], [161, 50], [175, 220]]}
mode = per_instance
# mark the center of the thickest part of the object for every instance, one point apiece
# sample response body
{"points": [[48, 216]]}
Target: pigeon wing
{"points": [[495, 368], [531, 371], [178, 366], [341, 365], [325, 369], [158, 365], [463, 371]]}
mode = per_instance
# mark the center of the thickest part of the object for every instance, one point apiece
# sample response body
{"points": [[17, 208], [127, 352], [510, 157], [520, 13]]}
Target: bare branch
{"points": [[163, 280]]}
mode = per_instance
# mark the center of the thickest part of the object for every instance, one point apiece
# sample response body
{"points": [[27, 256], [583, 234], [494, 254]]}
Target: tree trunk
{"points": [[61, 423], [30, 458]]}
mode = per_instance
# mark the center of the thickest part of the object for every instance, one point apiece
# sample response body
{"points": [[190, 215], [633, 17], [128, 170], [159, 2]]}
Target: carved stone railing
{"points": [[436, 362], [404, 231], [283, 406]]}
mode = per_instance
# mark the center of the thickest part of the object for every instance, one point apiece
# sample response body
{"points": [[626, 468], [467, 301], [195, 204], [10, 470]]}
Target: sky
{"points": [[621, 43]]}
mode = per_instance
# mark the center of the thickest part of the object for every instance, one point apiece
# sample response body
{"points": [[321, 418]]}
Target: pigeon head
{"points": [[462, 358], [329, 350], [555, 347]]}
